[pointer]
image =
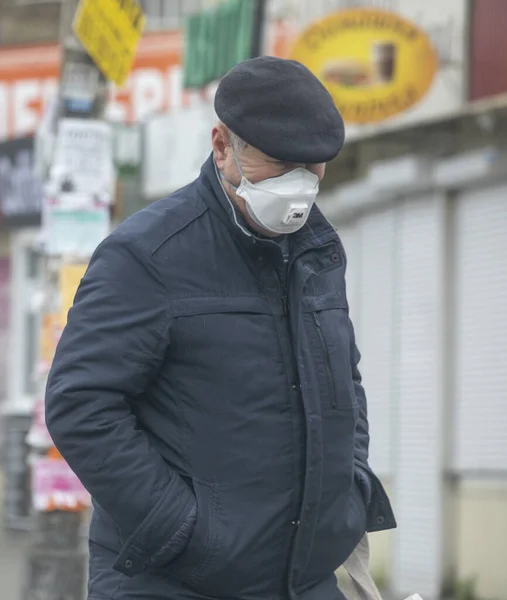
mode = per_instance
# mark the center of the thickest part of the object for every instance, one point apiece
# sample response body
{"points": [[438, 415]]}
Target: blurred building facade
{"points": [[419, 198], [420, 202]]}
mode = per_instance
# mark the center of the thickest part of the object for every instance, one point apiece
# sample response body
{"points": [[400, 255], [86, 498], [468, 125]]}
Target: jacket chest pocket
{"points": [[224, 357], [223, 331], [329, 335]]}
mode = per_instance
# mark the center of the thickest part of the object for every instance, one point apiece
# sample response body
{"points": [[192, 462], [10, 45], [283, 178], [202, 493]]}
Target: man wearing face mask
{"points": [[206, 388]]}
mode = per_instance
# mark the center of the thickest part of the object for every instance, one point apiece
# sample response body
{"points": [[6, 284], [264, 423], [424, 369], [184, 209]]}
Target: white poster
{"points": [[175, 147], [83, 160]]}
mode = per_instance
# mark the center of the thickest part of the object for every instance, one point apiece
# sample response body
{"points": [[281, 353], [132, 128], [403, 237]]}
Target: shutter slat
{"points": [[375, 339], [417, 439], [481, 330]]}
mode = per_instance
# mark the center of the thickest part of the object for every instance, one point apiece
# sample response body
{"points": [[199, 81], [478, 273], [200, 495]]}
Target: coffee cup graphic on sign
{"points": [[383, 57]]}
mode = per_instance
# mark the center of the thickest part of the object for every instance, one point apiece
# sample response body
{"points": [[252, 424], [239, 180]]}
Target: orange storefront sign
{"points": [[29, 78]]}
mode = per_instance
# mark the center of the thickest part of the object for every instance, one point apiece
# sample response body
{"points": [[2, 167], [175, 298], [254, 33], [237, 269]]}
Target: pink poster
{"points": [[56, 487], [5, 277]]}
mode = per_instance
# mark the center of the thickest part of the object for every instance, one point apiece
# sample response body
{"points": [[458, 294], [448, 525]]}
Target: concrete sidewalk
{"points": [[13, 548], [12, 564]]}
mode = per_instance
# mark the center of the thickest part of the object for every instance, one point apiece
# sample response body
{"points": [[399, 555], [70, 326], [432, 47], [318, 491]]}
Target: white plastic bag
{"points": [[357, 566]]}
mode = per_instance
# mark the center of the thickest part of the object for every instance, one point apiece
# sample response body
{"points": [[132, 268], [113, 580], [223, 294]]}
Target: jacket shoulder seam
{"points": [[176, 228], [145, 257]]}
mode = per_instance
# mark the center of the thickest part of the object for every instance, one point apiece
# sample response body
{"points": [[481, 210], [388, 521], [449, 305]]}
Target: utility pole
{"points": [[56, 561], [98, 41], [258, 29]]}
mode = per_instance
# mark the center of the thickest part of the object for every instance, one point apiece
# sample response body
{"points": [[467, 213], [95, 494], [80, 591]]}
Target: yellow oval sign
{"points": [[374, 63]]}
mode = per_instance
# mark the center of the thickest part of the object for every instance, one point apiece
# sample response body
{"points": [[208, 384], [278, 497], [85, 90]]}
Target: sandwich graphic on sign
{"points": [[352, 72], [347, 72]]}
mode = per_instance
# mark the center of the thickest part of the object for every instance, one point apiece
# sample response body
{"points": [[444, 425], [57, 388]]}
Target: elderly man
{"points": [[206, 388]]}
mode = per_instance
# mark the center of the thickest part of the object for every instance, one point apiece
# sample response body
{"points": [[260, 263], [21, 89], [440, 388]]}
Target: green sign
{"points": [[216, 40]]}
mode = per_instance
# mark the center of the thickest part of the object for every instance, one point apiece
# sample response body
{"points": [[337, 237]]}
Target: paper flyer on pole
{"points": [[83, 160], [38, 436], [73, 224], [74, 232], [50, 332], [70, 276], [56, 487]]}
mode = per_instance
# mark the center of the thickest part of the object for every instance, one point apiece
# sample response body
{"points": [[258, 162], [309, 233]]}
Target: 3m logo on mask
{"points": [[295, 214]]}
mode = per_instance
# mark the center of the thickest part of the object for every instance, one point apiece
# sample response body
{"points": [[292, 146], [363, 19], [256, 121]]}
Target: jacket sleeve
{"points": [[114, 342], [362, 437]]}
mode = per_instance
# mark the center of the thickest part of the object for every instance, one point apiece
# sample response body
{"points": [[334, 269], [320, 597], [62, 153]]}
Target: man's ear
{"points": [[220, 142]]}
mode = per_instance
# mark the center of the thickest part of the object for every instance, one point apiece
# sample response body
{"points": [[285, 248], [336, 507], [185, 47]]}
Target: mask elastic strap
{"points": [[237, 162], [235, 217], [234, 187]]}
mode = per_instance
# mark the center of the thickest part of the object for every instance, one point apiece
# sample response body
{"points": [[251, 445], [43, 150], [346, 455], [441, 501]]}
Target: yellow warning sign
{"points": [[110, 31]]}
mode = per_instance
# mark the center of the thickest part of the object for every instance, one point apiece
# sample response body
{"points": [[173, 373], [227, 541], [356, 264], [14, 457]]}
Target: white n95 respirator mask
{"points": [[280, 205]]}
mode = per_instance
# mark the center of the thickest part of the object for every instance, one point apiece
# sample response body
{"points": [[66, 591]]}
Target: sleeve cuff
{"points": [[177, 543], [364, 482], [151, 542]]}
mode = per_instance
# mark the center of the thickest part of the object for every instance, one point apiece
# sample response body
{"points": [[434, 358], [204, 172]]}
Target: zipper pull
{"points": [[285, 303]]}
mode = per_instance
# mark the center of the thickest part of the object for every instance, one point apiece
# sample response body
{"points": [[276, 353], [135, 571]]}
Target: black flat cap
{"points": [[281, 108]]}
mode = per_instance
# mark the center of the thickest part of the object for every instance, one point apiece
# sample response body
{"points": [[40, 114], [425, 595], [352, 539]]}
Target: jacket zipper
{"points": [[284, 299], [328, 361], [296, 528], [285, 304]]}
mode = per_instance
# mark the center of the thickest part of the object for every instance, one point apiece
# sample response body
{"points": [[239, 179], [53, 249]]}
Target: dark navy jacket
{"points": [[197, 374]]}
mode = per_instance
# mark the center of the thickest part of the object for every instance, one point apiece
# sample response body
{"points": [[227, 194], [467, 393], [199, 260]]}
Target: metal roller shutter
{"points": [[480, 267], [418, 434], [375, 333]]}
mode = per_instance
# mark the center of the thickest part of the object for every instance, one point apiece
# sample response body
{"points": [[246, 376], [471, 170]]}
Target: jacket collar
{"points": [[316, 232]]}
